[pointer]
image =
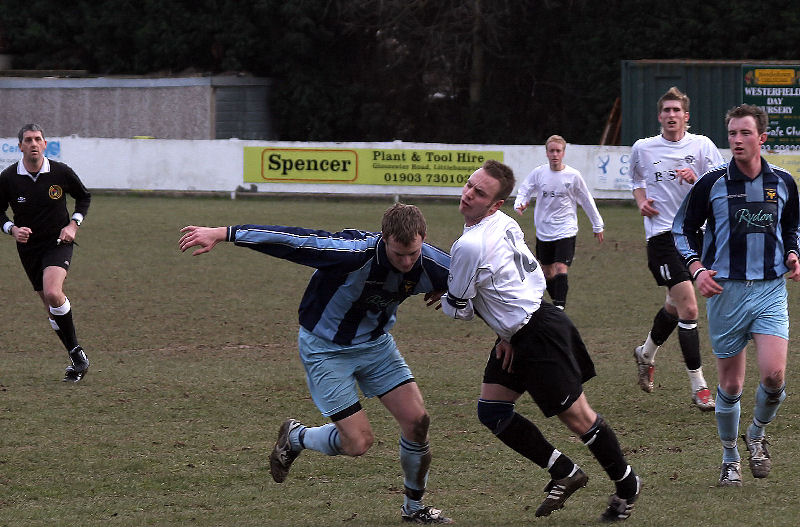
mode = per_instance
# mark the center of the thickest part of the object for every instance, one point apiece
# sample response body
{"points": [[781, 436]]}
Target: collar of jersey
{"points": [[734, 174], [22, 171]]}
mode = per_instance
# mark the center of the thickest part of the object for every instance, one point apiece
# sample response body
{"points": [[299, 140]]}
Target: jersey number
{"points": [[521, 260]]}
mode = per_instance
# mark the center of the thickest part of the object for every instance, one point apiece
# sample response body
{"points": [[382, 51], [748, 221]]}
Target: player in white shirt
{"points": [[494, 275], [663, 170], [559, 189]]}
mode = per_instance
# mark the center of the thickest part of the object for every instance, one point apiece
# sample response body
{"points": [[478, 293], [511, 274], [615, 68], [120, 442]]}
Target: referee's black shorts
{"points": [[550, 361], [35, 258], [665, 261]]}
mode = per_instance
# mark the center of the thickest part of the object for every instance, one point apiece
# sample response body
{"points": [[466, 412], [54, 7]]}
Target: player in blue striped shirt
{"points": [[346, 313], [751, 209]]}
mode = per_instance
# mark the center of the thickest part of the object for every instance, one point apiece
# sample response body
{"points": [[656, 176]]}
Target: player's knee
{"points": [[731, 386], [689, 313], [54, 296], [774, 380], [495, 415], [359, 445], [421, 426]]}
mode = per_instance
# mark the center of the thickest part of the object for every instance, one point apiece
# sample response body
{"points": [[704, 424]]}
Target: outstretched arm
{"points": [[204, 237]]}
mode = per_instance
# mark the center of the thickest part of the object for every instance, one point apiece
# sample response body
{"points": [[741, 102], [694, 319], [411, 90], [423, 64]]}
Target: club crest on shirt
{"points": [[408, 286], [55, 192], [770, 194]]}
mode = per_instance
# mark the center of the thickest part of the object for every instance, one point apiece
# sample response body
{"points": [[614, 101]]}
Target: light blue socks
{"points": [[323, 439], [767, 404], [728, 410]]}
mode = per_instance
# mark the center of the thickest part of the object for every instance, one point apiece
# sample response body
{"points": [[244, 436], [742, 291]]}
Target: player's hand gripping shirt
{"points": [[558, 192], [653, 163], [494, 274], [353, 295], [752, 225]]}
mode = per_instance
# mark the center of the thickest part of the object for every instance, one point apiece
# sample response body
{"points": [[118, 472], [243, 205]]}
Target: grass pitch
{"points": [[194, 367]]}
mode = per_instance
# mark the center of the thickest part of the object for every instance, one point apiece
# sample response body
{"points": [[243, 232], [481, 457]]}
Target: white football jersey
{"points": [[653, 163], [558, 193], [494, 274]]}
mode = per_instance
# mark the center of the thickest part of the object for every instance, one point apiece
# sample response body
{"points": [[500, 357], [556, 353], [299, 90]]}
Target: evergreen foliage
{"points": [[453, 71]]}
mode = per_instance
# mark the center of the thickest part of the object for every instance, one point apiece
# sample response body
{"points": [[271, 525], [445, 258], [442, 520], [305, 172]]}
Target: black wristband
{"points": [[697, 273]]}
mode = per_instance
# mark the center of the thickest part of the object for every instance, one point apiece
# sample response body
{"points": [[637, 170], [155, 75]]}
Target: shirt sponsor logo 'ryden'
{"points": [[55, 192], [756, 218]]}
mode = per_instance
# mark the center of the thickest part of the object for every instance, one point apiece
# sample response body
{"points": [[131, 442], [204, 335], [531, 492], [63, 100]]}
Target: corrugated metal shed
{"points": [[712, 86], [242, 108]]}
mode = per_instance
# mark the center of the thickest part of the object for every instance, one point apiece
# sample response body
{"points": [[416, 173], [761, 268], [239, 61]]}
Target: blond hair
{"points": [[674, 94], [556, 139]]}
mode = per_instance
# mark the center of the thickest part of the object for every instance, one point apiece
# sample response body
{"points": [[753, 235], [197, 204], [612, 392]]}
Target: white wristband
{"points": [[697, 273]]}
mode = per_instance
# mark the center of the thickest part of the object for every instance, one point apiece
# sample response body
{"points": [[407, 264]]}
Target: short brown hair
{"points": [[31, 127], [403, 223], [674, 94], [556, 139], [744, 110], [503, 174]]}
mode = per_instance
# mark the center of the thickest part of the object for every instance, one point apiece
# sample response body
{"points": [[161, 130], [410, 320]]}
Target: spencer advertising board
{"points": [[364, 166]]}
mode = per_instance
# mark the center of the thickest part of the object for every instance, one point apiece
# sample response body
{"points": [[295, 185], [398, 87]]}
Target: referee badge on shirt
{"points": [[55, 192]]}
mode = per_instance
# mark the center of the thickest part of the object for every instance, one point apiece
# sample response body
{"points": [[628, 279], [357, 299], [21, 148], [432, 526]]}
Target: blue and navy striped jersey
{"points": [[752, 225], [354, 293]]}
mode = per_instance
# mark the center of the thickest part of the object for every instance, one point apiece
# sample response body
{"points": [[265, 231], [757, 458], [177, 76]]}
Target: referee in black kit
{"points": [[36, 189]]}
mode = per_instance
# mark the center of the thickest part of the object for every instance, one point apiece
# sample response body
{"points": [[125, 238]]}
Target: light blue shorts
{"points": [[332, 370], [746, 307]]}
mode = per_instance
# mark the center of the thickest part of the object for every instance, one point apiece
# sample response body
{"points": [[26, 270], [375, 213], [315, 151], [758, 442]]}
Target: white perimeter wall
{"points": [[217, 165]]}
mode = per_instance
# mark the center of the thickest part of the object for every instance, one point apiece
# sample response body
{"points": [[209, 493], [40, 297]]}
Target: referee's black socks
{"points": [[58, 331], [63, 318]]}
